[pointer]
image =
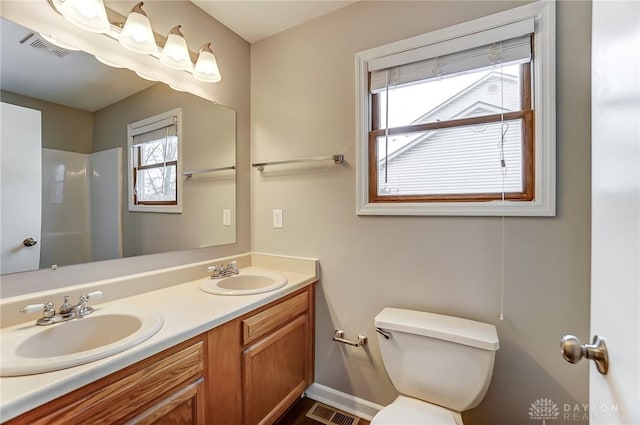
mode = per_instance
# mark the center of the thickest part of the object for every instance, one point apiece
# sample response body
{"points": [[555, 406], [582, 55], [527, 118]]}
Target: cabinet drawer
{"points": [[136, 387], [262, 323]]}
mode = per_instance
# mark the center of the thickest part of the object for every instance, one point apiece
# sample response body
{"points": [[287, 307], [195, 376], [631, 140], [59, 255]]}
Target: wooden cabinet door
{"points": [[184, 406], [276, 372]]}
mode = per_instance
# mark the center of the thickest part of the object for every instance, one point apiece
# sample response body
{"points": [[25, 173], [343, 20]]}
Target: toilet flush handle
{"points": [[384, 333]]}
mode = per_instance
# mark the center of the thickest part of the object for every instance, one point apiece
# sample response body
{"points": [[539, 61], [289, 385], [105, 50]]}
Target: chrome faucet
{"points": [[222, 270], [66, 310]]}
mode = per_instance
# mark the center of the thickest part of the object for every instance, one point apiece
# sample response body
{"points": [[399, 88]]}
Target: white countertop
{"points": [[187, 312]]}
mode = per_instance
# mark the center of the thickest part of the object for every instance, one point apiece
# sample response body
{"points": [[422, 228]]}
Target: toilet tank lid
{"points": [[448, 328]]}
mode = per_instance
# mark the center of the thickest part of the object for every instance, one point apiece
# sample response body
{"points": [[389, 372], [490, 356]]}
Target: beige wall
{"points": [[303, 104], [233, 54], [63, 128]]}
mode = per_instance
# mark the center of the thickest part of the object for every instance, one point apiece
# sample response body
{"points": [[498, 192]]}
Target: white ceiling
{"points": [[254, 20]]}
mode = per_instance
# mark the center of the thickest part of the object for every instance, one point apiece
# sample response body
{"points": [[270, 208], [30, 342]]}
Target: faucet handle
{"points": [[33, 308], [84, 299], [95, 295], [214, 271], [46, 309], [83, 308], [65, 307], [233, 266]]}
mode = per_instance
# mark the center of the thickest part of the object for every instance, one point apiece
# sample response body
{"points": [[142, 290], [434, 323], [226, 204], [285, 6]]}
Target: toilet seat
{"points": [[410, 411]]}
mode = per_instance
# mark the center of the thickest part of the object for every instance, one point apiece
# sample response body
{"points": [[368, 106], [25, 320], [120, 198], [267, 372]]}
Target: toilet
{"points": [[441, 365]]}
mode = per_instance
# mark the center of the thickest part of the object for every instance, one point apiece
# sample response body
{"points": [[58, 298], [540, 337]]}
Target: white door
{"points": [[20, 188], [615, 272]]}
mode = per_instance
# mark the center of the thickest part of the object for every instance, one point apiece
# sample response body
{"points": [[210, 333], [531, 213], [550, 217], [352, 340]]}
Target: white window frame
{"points": [[543, 97], [143, 126]]}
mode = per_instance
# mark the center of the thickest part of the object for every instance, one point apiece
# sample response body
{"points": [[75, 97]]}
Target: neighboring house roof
{"points": [[466, 93]]}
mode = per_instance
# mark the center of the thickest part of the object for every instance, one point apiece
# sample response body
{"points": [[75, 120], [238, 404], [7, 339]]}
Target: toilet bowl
{"points": [[411, 411], [441, 365]]}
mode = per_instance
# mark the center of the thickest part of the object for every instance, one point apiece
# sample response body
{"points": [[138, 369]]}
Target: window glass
{"points": [[156, 184], [156, 155], [459, 160], [154, 163], [462, 95], [159, 151], [457, 157]]}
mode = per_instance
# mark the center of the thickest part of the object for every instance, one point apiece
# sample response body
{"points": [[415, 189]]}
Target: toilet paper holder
{"points": [[338, 336]]}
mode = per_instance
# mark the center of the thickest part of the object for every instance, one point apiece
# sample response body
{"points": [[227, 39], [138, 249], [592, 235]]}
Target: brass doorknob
{"points": [[29, 242], [573, 351]]}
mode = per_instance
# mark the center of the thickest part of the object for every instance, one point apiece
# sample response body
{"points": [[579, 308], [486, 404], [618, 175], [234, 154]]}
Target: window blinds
{"points": [[157, 134], [509, 44], [151, 126]]}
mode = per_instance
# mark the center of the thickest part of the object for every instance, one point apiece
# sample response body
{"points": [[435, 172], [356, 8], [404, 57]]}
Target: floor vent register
{"points": [[330, 416]]}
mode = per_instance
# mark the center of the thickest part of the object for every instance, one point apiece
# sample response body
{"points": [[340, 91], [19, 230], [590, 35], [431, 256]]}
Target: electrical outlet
{"points": [[226, 217], [277, 219]]}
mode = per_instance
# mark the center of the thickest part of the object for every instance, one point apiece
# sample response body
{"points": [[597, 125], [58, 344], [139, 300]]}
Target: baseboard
{"points": [[343, 401]]}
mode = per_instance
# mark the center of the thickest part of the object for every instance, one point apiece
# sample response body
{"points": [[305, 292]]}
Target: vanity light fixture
{"points": [[206, 68], [89, 15], [108, 62], [145, 76], [53, 40], [137, 34], [176, 88], [175, 53]]}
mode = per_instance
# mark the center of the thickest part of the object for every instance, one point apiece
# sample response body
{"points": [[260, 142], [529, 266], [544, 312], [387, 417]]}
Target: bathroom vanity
{"points": [[227, 359]]}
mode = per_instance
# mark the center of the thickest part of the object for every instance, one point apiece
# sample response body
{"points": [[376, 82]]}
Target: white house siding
{"points": [[457, 160]]}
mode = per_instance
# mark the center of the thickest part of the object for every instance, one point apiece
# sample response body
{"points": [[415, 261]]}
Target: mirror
{"points": [[85, 108]]}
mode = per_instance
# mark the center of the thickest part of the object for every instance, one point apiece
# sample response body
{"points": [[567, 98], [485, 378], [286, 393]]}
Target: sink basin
{"points": [[245, 283], [29, 349]]}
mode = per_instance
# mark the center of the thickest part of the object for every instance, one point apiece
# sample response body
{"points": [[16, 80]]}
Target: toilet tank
{"points": [[440, 359]]}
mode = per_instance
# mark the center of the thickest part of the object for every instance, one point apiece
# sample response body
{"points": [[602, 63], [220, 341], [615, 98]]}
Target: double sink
{"points": [[27, 349]]}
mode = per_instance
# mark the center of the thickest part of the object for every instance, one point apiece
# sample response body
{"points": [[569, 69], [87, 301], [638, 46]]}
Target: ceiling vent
{"points": [[37, 42]]}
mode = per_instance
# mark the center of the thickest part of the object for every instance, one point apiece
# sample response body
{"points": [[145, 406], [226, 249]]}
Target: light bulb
{"points": [[206, 68], [175, 53], [89, 15], [137, 34]]}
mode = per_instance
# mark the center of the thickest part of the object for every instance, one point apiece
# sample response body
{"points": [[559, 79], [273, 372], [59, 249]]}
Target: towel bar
{"points": [[337, 159]]}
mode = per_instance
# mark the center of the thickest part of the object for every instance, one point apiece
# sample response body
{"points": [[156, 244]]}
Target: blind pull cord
{"points": [[386, 129], [504, 127]]}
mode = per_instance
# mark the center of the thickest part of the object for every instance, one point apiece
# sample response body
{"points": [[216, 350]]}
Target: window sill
{"points": [[172, 209], [492, 208]]}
